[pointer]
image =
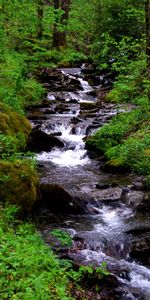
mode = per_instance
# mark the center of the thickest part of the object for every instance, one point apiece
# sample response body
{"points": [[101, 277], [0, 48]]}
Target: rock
{"points": [[132, 198], [88, 68], [51, 75], [34, 107], [72, 83], [140, 248], [75, 120], [145, 205], [37, 117], [87, 105], [41, 141], [57, 199], [101, 186], [12, 123], [51, 97], [57, 133], [20, 185], [73, 101], [49, 111], [138, 184], [110, 195]]}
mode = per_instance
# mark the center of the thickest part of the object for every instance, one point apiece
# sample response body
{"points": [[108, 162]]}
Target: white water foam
{"points": [[114, 219], [85, 85], [67, 157]]}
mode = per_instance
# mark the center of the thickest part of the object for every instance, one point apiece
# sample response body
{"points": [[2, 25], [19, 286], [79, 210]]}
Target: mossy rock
{"points": [[19, 185], [12, 123], [88, 105]]}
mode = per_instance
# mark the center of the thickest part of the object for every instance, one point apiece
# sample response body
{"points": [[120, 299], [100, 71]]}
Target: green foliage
{"points": [[62, 236], [8, 145], [31, 92], [21, 183], [133, 153], [130, 84], [54, 57], [29, 269], [14, 131], [125, 141], [15, 89], [89, 272], [81, 24], [70, 57], [119, 128], [116, 36]]}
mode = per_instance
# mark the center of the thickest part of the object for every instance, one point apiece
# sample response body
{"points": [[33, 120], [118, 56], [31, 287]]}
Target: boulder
{"points": [[140, 248], [139, 183], [19, 185], [12, 123], [41, 141], [88, 68], [55, 198], [108, 195], [102, 186], [48, 75], [132, 198], [144, 206]]}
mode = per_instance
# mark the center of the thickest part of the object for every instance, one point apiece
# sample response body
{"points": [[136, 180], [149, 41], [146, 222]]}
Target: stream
{"points": [[101, 212]]}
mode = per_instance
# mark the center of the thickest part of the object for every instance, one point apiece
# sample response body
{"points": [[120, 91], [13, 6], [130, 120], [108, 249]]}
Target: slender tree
{"points": [[40, 13], [59, 35], [147, 17]]}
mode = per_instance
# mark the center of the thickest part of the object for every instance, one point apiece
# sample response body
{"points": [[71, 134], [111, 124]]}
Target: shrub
{"points": [[112, 134], [133, 153], [130, 84]]}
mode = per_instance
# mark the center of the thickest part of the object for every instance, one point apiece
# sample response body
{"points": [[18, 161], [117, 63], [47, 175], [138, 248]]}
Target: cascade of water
{"points": [[104, 231]]}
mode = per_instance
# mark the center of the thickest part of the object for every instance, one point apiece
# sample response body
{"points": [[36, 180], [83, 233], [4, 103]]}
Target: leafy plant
{"points": [[62, 236], [29, 269]]}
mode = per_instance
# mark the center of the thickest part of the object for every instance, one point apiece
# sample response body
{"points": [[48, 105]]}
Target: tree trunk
{"points": [[59, 37], [147, 21], [40, 13]]}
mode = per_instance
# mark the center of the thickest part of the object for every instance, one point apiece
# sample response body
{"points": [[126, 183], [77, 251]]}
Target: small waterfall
{"points": [[103, 229], [86, 87], [73, 154]]}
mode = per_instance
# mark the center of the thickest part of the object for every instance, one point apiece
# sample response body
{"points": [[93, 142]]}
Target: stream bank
{"points": [[106, 214]]}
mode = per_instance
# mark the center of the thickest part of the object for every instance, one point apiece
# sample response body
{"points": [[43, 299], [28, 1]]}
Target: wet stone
{"points": [[41, 141], [132, 198], [140, 248], [109, 195]]}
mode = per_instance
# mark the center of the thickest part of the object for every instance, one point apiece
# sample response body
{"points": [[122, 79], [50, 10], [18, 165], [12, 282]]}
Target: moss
{"points": [[4, 123], [87, 105], [14, 126], [12, 123], [19, 184]]}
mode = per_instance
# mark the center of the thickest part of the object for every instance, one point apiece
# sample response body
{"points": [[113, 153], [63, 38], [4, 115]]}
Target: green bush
{"points": [[112, 134], [125, 141], [16, 90], [130, 84], [31, 91], [62, 236], [133, 153]]}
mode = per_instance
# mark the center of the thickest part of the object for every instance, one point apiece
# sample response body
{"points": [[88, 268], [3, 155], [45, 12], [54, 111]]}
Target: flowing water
{"points": [[101, 233]]}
